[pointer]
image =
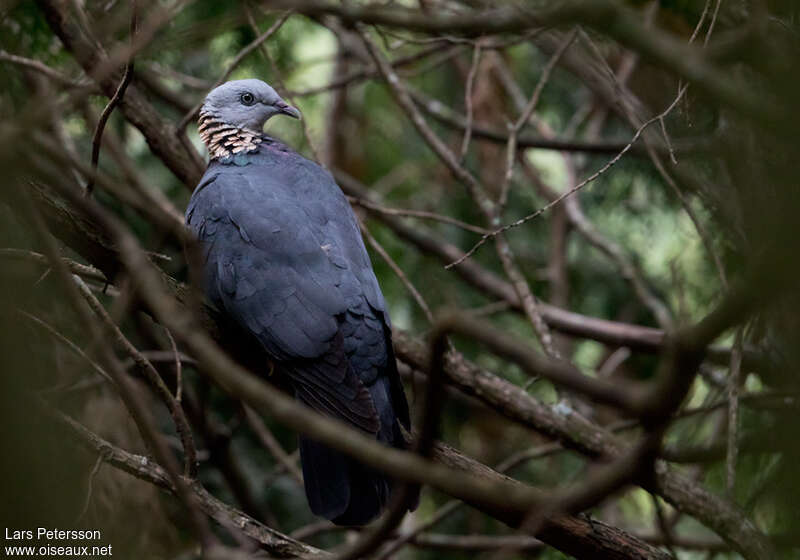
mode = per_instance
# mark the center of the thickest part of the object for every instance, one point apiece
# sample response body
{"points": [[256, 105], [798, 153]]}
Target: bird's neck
{"points": [[225, 140]]}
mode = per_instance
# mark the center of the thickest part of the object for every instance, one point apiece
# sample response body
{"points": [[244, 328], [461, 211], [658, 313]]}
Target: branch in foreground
{"points": [[579, 434], [40, 67], [113, 102], [144, 469], [182, 427], [561, 373], [82, 270]]}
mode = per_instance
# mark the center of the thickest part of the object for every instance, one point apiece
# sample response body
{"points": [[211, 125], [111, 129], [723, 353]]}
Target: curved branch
{"points": [[112, 103]]}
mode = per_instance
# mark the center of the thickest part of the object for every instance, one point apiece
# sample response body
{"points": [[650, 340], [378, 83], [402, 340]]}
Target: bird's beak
{"points": [[287, 109]]}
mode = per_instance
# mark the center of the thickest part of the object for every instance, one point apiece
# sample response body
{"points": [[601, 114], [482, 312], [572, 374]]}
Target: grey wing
{"points": [[287, 280]]}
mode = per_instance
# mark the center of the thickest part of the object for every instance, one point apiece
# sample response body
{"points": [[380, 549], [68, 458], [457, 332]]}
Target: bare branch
{"points": [[112, 103], [473, 70], [271, 444], [525, 116], [399, 272], [152, 375], [474, 188], [613, 161], [733, 412], [144, 469], [88, 272], [423, 214], [42, 68]]}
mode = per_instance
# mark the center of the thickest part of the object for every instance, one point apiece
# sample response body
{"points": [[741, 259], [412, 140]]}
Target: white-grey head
{"points": [[245, 104]]}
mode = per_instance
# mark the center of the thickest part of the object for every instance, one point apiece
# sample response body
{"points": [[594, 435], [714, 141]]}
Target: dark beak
{"points": [[287, 109]]}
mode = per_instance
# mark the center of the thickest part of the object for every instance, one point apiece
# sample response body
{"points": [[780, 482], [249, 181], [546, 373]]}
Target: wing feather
{"points": [[285, 276]]}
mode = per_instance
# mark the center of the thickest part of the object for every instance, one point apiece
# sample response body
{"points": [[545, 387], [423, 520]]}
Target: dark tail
{"points": [[343, 490], [339, 488]]}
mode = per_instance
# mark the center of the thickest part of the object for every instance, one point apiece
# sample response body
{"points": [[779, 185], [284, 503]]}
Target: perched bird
{"points": [[285, 262]]}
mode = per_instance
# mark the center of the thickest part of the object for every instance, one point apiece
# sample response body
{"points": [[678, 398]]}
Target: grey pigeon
{"points": [[285, 262]]}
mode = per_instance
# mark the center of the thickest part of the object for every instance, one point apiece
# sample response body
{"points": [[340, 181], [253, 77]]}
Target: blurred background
{"points": [[705, 199]]}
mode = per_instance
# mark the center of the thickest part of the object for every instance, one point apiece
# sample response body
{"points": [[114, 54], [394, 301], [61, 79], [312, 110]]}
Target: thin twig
{"points": [[493, 43], [613, 161], [444, 114], [95, 469], [176, 411], [474, 188], [112, 103], [530, 304], [42, 68], [364, 73], [468, 92], [712, 23], [85, 271], [524, 117], [422, 214], [178, 367], [398, 272], [654, 157], [628, 268], [271, 444], [134, 181], [67, 342], [733, 414]]}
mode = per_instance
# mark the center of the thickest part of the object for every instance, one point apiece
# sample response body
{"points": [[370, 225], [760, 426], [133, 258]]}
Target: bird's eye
{"points": [[247, 98]]}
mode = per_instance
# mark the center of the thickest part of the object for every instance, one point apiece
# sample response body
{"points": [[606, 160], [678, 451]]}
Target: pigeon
{"points": [[285, 262]]}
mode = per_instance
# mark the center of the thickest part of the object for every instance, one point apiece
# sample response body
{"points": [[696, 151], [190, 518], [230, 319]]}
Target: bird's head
{"points": [[246, 104]]}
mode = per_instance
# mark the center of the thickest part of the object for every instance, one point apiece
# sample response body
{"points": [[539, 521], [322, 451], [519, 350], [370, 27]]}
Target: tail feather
{"points": [[326, 477], [341, 489]]}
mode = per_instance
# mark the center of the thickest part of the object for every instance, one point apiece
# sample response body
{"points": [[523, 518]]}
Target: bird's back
{"points": [[285, 260]]}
